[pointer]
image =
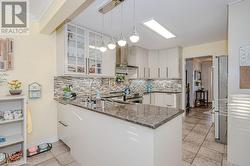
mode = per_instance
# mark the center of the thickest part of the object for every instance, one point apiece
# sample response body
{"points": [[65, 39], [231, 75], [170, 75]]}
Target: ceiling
{"points": [[192, 21], [38, 7]]}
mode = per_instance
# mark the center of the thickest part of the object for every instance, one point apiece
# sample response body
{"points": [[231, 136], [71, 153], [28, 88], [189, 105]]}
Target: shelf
{"points": [[11, 140], [12, 97], [17, 163], [11, 121]]}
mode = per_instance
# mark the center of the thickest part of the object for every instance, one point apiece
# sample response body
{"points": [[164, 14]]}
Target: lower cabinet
{"points": [[161, 99], [146, 99], [69, 119]]}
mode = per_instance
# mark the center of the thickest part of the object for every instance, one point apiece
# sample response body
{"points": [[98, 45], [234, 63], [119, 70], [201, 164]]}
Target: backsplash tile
{"points": [[82, 86]]}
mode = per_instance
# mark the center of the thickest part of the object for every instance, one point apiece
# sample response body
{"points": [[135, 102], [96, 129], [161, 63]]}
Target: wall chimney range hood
{"points": [[122, 65]]}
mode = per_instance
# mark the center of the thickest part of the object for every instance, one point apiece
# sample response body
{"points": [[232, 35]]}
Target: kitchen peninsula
{"points": [[121, 134]]}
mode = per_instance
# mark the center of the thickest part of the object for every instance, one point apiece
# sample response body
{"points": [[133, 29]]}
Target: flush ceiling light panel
{"points": [[109, 5], [158, 28]]}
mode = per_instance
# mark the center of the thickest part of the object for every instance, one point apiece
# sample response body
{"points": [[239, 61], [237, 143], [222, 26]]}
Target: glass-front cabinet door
{"points": [[95, 55], [83, 51]]}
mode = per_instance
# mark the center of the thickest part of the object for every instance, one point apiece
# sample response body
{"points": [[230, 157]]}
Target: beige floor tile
{"points": [[40, 158], [195, 138], [204, 161], [202, 127], [209, 153], [59, 149], [214, 146], [51, 162], [65, 158], [184, 163], [74, 164], [187, 156], [188, 126], [190, 147], [192, 120]]}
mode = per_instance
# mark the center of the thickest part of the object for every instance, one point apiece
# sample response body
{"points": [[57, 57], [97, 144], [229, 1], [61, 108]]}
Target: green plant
{"points": [[15, 85], [67, 89], [120, 78]]}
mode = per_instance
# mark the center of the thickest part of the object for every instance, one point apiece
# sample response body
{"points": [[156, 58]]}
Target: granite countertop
{"points": [[141, 114], [173, 92]]}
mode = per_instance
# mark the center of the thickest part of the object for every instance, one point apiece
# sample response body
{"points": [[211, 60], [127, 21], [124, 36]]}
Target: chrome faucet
{"points": [[91, 89]]}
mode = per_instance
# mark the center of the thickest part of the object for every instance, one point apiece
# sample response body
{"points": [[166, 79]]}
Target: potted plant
{"points": [[15, 87], [67, 92]]}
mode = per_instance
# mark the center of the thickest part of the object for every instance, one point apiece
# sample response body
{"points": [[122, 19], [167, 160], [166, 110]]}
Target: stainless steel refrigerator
{"points": [[221, 98]]}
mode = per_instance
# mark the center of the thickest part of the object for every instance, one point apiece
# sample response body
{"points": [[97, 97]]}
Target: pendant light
{"points": [[134, 38], [122, 41], [111, 44], [103, 48]]}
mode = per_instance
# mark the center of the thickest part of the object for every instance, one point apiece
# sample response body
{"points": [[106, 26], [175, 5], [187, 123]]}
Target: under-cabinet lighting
{"points": [[158, 28]]}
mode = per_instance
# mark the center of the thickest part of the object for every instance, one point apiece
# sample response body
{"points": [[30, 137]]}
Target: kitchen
{"points": [[103, 83]]}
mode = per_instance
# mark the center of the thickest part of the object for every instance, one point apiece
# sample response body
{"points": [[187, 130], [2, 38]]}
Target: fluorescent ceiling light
{"points": [[158, 28]]}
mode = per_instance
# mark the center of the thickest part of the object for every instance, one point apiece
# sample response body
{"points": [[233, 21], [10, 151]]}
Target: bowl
{"points": [[15, 92]]}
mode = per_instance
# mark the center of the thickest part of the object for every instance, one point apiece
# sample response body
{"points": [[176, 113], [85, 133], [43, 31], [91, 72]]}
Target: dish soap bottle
{"points": [[98, 100]]}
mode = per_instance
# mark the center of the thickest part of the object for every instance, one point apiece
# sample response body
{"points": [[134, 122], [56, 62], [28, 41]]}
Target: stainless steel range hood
{"points": [[122, 65]]}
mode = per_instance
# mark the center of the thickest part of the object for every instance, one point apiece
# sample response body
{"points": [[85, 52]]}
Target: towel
{"points": [[29, 120]]}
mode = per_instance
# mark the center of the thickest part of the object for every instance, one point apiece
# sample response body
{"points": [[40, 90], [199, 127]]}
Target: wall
{"points": [[208, 49], [34, 61], [238, 129]]}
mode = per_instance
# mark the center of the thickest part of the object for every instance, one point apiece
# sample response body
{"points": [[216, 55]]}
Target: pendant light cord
{"points": [[134, 14]]}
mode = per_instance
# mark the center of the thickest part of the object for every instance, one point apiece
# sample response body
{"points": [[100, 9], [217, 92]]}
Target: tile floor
{"points": [[199, 147]]}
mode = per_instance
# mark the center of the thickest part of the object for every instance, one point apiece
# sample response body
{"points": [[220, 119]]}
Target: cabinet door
{"points": [[153, 64], [64, 131], [169, 100], [173, 63], [146, 99], [94, 54], [76, 51], [163, 58], [159, 99]]}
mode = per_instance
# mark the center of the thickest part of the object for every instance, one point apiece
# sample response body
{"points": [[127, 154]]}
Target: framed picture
{"points": [[6, 54]]}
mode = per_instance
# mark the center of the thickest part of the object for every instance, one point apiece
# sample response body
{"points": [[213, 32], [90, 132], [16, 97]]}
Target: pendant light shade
{"points": [[103, 48], [134, 38], [112, 44], [122, 42]]}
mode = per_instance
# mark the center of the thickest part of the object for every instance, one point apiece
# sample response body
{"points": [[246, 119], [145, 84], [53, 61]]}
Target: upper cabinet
{"points": [[78, 52], [165, 63]]}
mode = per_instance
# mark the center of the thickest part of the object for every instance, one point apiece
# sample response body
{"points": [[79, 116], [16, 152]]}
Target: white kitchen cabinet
{"points": [[173, 62], [68, 123], [164, 63], [146, 99], [139, 57], [163, 100], [78, 52], [153, 64], [63, 124]]}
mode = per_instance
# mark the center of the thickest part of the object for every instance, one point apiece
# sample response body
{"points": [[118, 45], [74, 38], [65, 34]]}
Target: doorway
{"points": [[199, 82]]}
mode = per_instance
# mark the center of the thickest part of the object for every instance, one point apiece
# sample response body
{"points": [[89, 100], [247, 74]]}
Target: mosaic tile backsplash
{"points": [[87, 86]]}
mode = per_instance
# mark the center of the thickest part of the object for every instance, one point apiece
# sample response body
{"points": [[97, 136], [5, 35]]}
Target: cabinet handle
{"points": [[159, 70], [144, 72], [87, 66], [167, 72], [63, 124], [149, 73]]}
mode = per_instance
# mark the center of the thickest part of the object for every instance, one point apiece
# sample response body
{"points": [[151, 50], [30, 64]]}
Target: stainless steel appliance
{"points": [[221, 98]]}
